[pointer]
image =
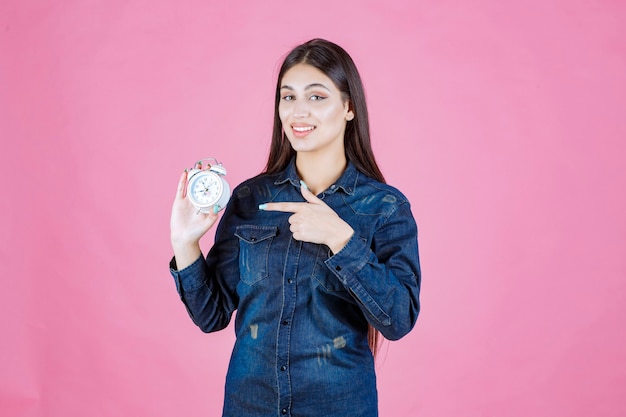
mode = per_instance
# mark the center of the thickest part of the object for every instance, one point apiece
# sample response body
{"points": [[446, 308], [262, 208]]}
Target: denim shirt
{"points": [[303, 312]]}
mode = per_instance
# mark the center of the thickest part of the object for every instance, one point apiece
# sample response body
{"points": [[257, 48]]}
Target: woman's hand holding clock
{"points": [[188, 225]]}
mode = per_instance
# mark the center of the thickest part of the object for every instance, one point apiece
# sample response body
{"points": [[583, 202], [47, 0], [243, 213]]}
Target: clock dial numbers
{"points": [[206, 189]]}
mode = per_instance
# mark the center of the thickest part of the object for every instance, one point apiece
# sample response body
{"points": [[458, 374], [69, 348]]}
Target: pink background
{"points": [[503, 122]]}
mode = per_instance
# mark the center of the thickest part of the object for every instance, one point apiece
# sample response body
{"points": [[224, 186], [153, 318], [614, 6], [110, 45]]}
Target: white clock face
{"points": [[205, 189]]}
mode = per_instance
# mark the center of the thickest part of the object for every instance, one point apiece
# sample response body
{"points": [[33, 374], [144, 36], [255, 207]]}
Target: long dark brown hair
{"points": [[337, 65]]}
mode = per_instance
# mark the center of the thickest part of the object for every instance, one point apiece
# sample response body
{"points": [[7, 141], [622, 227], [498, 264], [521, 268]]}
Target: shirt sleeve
{"points": [[207, 287], [384, 276]]}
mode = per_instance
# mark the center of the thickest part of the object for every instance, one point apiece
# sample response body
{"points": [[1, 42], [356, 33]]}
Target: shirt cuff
{"points": [[350, 259], [191, 277]]}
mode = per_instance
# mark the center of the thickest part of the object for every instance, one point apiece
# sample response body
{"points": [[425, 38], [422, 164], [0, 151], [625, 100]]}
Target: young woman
{"points": [[317, 254]]}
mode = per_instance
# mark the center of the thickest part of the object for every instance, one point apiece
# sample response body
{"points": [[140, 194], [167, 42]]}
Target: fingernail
{"points": [[216, 209], [262, 206], [303, 184], [186, 169]]}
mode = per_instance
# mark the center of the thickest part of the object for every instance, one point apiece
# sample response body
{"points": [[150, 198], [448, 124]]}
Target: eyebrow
{"points": [[308, 87]]}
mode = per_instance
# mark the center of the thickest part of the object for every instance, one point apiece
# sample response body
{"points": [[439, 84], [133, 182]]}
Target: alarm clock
{"points": [[207, 188]]}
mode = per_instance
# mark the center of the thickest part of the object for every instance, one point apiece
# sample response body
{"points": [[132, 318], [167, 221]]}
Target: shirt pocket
{"points": [[254, 250]]}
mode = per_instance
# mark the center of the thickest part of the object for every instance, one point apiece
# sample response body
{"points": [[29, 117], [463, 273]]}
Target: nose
{"points": [[300, 109]]}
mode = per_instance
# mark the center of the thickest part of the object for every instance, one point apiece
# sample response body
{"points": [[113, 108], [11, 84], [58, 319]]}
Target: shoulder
{"points": [[370, 196], [254, 191], [388, 193], [245, 189]]}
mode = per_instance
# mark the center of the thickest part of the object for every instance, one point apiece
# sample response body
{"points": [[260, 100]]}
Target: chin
{"points": [[300, 145]]}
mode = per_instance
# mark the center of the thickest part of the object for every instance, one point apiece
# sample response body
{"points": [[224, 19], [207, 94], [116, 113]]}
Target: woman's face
{"points": [[312, 111]]}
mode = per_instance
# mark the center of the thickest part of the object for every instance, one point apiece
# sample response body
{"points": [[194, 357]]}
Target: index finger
{"points": [[287, 207]]}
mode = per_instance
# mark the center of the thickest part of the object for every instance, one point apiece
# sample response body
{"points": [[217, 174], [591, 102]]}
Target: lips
{"points": [[302, 129], [299, 128]]}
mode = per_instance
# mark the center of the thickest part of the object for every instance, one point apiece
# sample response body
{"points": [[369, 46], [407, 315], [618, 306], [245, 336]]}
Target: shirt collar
{"points": [[346, 182]]}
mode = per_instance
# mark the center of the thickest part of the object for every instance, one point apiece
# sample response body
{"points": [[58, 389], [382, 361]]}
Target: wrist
{"points": [[341, 240], [184, 241], [186, 253]]}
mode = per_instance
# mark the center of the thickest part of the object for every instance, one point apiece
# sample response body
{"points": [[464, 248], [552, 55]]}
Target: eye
{"points": [[288, 98], [315, 97]]}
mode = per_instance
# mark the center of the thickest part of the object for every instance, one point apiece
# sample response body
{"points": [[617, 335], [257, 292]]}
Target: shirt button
{"points": [[338, 268], [284, 411], [285, 322], [290, 281], [283, 368]]}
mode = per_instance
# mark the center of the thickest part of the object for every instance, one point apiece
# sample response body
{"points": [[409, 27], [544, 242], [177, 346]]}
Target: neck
{"points": [[320, 171]]}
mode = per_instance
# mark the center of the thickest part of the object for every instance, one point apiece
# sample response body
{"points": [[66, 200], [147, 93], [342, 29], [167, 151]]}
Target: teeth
{"points": [[302, 129]]}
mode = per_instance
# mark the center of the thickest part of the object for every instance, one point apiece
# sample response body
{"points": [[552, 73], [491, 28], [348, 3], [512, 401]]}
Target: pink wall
{"points": [[502, 121]]}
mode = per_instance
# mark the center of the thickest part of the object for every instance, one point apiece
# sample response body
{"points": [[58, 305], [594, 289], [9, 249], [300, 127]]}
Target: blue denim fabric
{"points": [[302, 312]]}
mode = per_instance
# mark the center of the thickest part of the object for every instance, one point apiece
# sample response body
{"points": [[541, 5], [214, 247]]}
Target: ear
{"points": [[349, 111]]}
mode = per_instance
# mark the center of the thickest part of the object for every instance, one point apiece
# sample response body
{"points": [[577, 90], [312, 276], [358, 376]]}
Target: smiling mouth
{"points": [[302, 129]]}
